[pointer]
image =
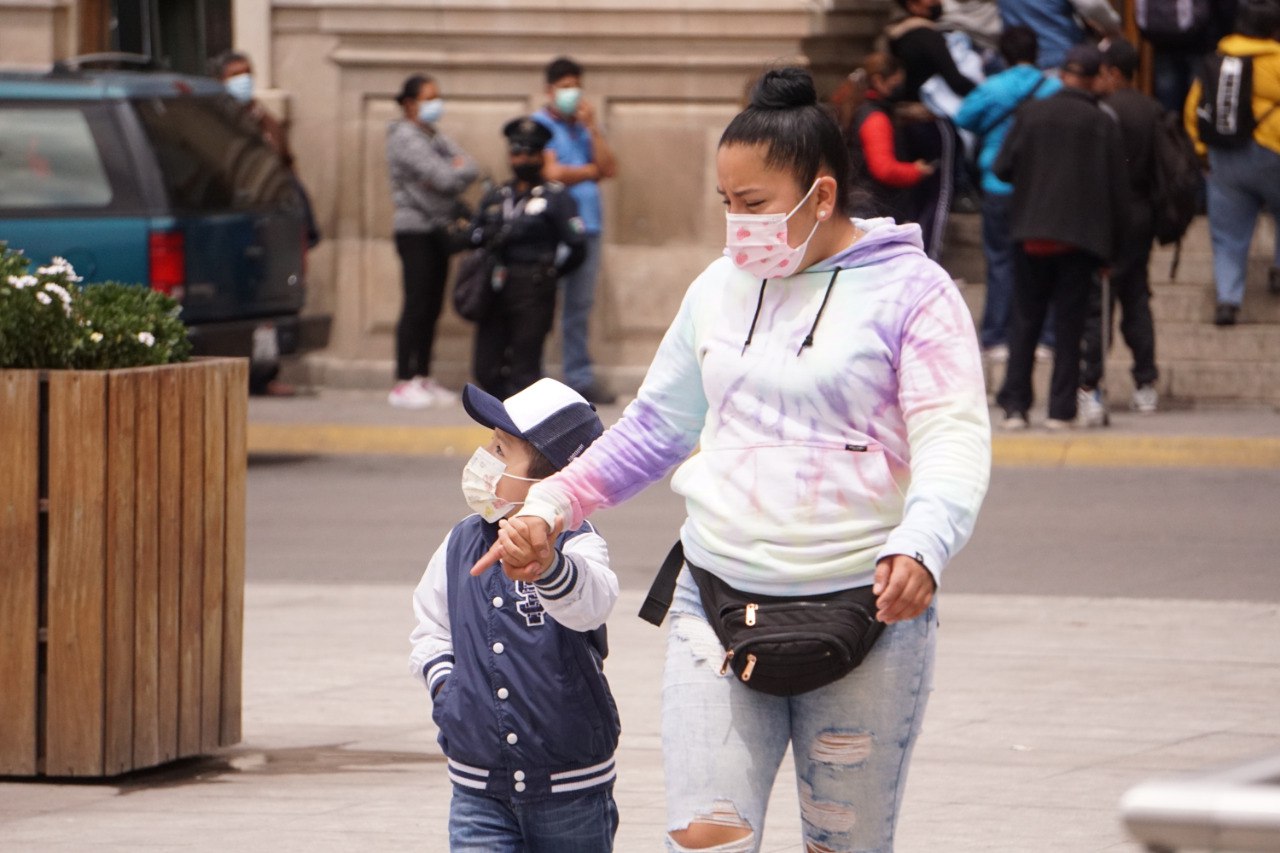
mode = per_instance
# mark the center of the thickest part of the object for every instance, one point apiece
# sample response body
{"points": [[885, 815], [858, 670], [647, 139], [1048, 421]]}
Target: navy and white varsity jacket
{"points": [[524, 710]]}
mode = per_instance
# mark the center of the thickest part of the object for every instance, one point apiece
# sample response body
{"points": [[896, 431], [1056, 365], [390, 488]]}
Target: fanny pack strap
{"points": [[663, 589]]}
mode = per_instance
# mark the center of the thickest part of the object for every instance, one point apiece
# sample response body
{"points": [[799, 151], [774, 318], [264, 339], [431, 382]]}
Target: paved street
{"points": [[1116, 617]]}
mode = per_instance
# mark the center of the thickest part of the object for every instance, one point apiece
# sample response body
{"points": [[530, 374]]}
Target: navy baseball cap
{"points": [[550, 415]]}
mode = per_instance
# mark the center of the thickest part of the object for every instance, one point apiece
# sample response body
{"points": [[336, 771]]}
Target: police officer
{"points": [[533, 227]]}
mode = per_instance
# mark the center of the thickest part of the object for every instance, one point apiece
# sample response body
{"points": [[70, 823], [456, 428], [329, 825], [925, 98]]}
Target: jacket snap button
{"points": [[503, 693], [497, 601], [520, 786], [497, 648], [518, 775], [511, 738]]}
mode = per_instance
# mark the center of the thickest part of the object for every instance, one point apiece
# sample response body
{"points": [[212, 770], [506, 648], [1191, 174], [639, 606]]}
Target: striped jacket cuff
{"points": [[559, 580], [436, 670]]}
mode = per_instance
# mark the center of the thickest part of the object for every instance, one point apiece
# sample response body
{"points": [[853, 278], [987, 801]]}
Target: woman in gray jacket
{"points": [[428, 172]]}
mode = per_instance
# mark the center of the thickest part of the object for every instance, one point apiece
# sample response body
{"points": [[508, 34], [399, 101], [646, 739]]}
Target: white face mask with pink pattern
{"points": [[757, 242]]}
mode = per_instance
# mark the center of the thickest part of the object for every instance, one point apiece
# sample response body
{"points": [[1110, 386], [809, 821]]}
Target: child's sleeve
{"points": [[579, 589], [432, 657]]}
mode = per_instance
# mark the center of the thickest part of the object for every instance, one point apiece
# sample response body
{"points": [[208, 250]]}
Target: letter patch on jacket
{"points": [[530, 606]]}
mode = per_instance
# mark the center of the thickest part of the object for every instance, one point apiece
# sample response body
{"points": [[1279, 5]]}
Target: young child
{"points": [[514, 660]]}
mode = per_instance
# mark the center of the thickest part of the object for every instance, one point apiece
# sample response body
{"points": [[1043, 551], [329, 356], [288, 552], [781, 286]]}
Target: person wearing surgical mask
{"points": [[580, 157], [512, 657], [428, 173], [532, 228], [820, 398]]}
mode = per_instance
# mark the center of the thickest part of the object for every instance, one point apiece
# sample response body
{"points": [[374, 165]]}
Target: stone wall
{"points": [[665, 75]]}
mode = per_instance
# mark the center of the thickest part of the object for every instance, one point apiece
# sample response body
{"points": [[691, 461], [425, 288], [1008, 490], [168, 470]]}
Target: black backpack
{"points": [[1175, 188], [1174, 23], [1224, 114]]}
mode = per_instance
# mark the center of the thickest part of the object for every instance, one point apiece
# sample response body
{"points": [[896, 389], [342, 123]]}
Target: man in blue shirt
{"points": [[579, 157], [1054, 23]]}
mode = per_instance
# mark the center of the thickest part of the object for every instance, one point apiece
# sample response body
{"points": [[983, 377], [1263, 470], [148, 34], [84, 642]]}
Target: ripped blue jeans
{"points": [[723, 742]]}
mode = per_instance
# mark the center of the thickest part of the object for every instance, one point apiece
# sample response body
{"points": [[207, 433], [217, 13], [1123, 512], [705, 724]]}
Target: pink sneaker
{"points": [[437, 394]]}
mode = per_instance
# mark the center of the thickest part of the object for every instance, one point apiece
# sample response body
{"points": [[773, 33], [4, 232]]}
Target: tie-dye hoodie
{"points": [[839, 414]]}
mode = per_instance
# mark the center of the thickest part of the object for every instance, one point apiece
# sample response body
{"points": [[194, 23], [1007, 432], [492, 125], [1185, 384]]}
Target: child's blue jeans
{"points": [[585, 824]]}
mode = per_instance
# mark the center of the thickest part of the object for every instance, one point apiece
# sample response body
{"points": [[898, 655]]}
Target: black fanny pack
{"points": [[776, 644]]}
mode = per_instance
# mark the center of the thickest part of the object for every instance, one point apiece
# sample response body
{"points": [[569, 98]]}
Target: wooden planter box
{"points": [[122, 522]]}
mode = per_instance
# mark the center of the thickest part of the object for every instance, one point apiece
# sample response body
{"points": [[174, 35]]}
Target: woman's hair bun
{"points": [[784, 89]]}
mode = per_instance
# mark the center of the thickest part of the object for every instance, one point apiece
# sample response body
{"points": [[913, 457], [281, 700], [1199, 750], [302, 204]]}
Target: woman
{"points": [[428, 172], [829, 373], [865, 100]]}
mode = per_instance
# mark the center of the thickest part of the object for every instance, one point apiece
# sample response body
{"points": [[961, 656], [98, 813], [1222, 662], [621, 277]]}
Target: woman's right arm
{"points": [[423, 163], [657, 432]]}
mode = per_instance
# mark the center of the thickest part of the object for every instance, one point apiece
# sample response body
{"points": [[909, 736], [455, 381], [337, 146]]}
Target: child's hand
{"points": [[524, 547]]}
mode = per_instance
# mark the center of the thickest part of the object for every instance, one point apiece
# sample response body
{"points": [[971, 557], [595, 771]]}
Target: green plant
{"points": [[49, 321]]}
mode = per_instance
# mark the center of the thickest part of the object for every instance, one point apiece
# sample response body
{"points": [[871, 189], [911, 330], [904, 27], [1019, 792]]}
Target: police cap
{"points": [[525, 136]]}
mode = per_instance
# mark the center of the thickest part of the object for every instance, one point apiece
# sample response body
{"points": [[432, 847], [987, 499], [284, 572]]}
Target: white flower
{"points": [[23, 281], [59, 291], [147, 338], [96, 337], [59, 266]]}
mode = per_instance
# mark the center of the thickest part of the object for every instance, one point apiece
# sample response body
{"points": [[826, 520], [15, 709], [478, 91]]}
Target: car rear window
{"points": [[212, 156], [49, 158]]}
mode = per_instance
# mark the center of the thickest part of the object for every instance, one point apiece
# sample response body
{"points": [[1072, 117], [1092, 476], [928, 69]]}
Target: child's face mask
{"points": [[480, 482]]}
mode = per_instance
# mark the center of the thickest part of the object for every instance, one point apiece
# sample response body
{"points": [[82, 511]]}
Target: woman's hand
{"points": [[903, 589], [524, 547]]}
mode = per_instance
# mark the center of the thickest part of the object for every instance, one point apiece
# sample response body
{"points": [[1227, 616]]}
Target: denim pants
{"points": [[579, 290], [722, 742], [1241, 182], [997, 245], [480, 824], [1063, 282]]}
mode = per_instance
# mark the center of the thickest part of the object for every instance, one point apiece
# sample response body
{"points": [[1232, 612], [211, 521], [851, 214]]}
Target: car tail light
{"points": [[168, 256]]}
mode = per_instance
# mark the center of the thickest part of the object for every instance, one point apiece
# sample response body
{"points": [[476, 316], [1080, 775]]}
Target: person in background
{"points": [[827, 373], [524, 223], [428, 172], [578, 156], [1139, 116], [235, 71], [514, 660], [1245, 179], [1065, 159], [988, 112], [917, 43], [1180, 34], [867, 119], [1056, 23]]}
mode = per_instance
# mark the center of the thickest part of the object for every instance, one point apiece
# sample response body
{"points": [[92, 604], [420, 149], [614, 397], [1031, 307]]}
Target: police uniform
{"points": [[526, 228]]}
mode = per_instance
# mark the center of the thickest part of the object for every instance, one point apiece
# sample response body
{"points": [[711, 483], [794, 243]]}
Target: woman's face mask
{"points": [[429, 112], [758, 243], [480, 483], [240, 87]]}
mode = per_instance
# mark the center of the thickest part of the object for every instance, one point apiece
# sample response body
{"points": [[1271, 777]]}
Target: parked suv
{"points": [[162, 179]]}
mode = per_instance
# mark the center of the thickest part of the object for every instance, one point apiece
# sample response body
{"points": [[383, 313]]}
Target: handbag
{"points": [[476, 284], [778, 645]]}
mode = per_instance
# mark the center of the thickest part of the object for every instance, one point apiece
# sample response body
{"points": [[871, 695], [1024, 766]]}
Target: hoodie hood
{"points": [[880, 240], [1238, 45]]}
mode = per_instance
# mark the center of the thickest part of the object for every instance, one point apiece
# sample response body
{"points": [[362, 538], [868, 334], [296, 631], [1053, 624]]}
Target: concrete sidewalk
{"points": [[1046, 711]]}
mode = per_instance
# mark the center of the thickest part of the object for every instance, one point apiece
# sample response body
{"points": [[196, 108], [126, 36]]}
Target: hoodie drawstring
{"points": [[755, 317], [808, 339]]}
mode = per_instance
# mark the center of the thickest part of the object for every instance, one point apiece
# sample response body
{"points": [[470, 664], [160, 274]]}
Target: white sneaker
{"points": [[1044, 353], [1014, 421], [1090, 412], [437, 394], [409, 395], [1145, 399], [1057, 425]]}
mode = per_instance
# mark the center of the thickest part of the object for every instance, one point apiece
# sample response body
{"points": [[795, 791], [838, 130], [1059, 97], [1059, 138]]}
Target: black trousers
{"points": [[508, 348], [1131, 290], [1063, 281], [928, 203], [424, 257]]}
